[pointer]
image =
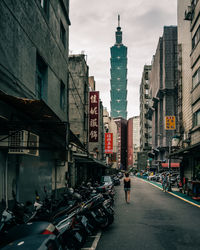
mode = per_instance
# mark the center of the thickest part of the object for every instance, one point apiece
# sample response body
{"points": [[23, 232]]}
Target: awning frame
{"points": [[40, 120]]}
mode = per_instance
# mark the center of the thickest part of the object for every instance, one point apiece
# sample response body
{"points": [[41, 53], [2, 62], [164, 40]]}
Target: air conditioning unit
{"points": [[189, 13], [23, 142]]}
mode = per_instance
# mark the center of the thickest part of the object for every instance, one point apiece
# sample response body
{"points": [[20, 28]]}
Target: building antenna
{"points": [[118, 20]]}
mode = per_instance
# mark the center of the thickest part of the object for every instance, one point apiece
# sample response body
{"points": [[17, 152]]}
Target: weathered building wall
{"points": [[29, 32], [78, 97], [163, 91]]}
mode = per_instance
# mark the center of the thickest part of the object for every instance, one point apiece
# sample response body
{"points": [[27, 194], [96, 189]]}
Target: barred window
{"points": [[41, 78], [196, 118], [62, 34], [196, 38], [196, 78]]}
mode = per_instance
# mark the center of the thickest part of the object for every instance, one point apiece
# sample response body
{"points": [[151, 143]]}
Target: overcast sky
{"points": [[92, 31]]}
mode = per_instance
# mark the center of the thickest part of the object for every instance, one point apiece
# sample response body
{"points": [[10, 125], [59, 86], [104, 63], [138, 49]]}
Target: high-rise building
{"points": [[118, 73]]}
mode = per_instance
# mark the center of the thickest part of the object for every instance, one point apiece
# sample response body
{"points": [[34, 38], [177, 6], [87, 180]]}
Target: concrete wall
{"points": [[25, 30]]}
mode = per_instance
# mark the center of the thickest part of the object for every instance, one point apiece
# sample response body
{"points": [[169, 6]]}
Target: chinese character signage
{"points": [[93, 116], [108, 143], [170, 123]]}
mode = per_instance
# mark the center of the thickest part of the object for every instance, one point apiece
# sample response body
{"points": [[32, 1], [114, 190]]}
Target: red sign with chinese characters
{"points": [[108, 143], [93, 116]]}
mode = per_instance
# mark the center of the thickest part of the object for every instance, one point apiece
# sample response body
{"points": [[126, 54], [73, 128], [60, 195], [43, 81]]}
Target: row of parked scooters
{"points": [[58, 224]]}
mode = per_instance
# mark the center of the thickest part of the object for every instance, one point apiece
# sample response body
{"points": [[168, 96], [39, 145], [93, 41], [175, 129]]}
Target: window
{"points": [[196, 38], [196, 118], [62, 34], [62, 95], [41, 78], [196, 78], [45, 5]]}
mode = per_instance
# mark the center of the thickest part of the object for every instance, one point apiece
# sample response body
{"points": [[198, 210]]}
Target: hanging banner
{"points": [[108, 143], [93, 116]]}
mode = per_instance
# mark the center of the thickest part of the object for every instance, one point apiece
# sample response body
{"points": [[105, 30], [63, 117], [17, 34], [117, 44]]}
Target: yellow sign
{"points": [[170, 123]]}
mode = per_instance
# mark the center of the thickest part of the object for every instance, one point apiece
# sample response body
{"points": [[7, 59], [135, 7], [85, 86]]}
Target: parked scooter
{"points": [[33, 242], [28, 229], [71, 219]]}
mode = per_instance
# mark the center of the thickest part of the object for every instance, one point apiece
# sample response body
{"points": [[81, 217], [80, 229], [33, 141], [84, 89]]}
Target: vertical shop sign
{"points": [[170, 123], [108, 143], [93, 116]]}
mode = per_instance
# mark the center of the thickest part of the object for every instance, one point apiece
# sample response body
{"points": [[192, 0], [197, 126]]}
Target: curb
{"points": [[176, 194]]}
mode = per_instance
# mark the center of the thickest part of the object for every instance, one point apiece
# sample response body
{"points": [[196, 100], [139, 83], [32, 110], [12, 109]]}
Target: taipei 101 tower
{"points": [[118, 73]]}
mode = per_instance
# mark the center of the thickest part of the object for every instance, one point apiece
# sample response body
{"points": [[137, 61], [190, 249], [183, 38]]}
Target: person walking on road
{"points": [[164, 182], [127, 187]]}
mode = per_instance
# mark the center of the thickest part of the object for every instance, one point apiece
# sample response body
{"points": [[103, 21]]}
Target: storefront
{"points": [[189, 168]]}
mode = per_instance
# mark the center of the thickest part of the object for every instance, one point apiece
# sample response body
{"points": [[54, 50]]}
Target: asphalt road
{"points": [[153, 220]]}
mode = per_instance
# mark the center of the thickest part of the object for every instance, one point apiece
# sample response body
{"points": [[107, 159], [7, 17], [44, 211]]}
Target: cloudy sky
{"points": [[92, 32]]}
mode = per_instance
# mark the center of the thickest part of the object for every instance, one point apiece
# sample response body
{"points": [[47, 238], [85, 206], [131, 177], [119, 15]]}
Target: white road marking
{"points": [[95, 242]]}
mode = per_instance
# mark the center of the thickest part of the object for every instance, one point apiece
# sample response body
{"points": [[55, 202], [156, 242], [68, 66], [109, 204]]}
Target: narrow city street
{"points": [[153, 220]]}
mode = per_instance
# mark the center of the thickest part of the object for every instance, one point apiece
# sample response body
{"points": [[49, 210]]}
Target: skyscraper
{"points": [[118, 73]]}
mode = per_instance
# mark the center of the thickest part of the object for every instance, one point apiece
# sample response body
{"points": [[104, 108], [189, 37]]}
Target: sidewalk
{"points": [[175, 192]]}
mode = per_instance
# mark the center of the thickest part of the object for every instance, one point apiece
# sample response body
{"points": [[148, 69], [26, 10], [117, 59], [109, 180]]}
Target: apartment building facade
{"points": [[145, 119], [111, 127], [33, 96], [189, 86], [163, 95], [121, 143], [133, 141]]}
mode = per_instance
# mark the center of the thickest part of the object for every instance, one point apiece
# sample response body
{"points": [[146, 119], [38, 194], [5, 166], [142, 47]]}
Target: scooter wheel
{"points": [[105, 224]]}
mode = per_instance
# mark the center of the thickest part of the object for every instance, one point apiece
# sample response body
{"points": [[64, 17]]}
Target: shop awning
{"points": [[193, 149], [36, 109], [75, 140], [90, 161], [172, 165], [37, 116]]}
